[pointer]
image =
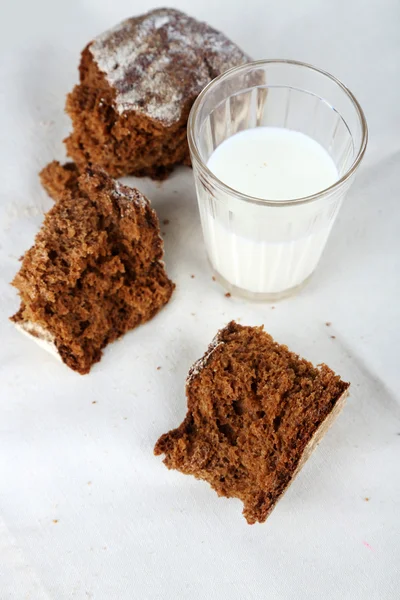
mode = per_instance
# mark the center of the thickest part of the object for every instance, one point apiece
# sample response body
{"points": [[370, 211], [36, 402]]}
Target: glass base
{"points": [[258, 296]]}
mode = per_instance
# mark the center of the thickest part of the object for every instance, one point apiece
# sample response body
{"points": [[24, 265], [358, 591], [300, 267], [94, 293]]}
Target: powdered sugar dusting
{"points": [[124, 192], [127, 193], [202, 362], [158, 63]]}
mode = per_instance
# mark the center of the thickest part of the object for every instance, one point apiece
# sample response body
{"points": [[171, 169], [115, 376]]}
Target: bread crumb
{"points": [[328, 323], [55, 520], [227, 295], [366, 499], [192, 276], [213, 278], [333, 337], [158, 368], [94, 402], [166, 222]]}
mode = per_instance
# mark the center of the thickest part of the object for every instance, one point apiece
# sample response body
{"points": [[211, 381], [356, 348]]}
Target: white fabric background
{"points": [[78, 450]]}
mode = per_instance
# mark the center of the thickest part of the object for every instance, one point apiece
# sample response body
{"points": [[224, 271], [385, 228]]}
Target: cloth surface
{"points": [[86, 510]]}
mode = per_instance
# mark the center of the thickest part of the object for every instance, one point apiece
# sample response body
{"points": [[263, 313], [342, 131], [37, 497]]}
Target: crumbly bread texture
{"points": [[138, 82], [255, 411], [95, 270]]}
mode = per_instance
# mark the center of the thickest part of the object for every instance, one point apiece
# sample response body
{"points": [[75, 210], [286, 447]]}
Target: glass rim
{"points": [[192, 120]]}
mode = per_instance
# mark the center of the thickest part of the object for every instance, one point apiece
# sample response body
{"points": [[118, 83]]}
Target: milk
{"points": [[273, 163], [261, 248]]}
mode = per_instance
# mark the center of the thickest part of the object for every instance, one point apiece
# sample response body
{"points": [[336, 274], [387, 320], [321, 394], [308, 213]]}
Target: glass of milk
{"points": [[275, 145]]}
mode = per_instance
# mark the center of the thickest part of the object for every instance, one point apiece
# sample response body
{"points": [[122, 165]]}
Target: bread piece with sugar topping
{"points": [[95, 270], [138, 82], [255, 413]]}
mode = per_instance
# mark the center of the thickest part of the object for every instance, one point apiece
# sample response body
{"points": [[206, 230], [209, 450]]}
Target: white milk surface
{"points": [[273, 163], [264, 249]]}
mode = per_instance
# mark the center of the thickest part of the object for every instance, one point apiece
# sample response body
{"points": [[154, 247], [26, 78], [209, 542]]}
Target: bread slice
{"points": [[95, 270], [255, 413]]}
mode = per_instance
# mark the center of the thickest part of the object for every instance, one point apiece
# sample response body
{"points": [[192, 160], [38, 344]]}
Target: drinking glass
{"points": [[266, 249]]}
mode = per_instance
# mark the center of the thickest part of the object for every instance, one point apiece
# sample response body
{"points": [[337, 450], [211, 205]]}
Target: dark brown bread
{"points": [[255, 410], [138, 82], [56, 179], [94, 271]]}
